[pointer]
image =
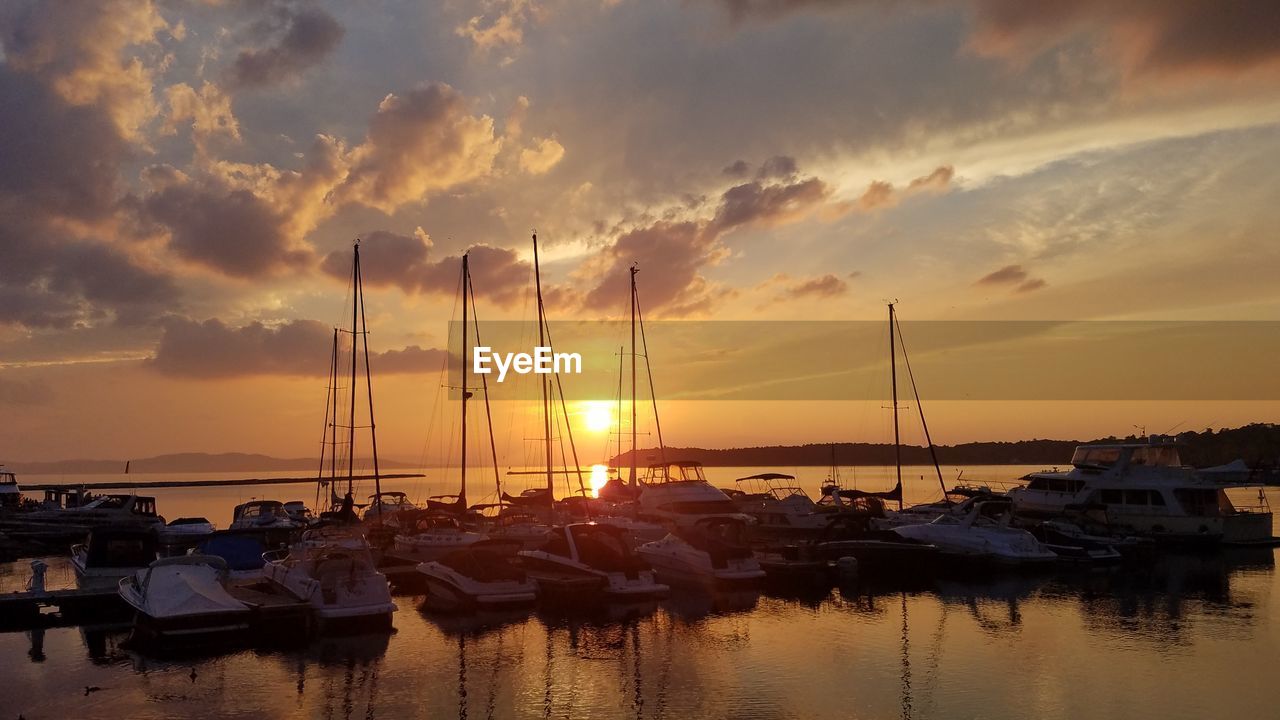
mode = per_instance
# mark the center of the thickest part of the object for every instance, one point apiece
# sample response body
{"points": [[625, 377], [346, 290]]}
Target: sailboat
{"points": [[439, 531], [344, 509]]}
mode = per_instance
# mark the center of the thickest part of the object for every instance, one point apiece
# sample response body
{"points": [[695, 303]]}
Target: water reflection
{"points": [[860, 649]]}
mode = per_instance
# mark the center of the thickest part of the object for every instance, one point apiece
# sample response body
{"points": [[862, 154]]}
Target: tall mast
{"points": [[546, 390], [466, 281], [332, 416], [368, 385], [634, 270], [351, 425], [893, 374]]}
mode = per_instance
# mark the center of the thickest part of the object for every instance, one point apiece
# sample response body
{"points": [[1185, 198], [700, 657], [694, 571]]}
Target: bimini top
{"points": [[682, 471], [392, 493], [767, 476]]}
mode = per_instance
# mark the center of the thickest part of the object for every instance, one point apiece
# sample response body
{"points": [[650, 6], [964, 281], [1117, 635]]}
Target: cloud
{"points": [[208, 110], [419, 143], [1013, 275], [390, 259], [305, 36], [825, 286], [778, 166], [231, 230], [77, 49], [882, 194], [213, 350], [737, 169], [500, 25], [543, 156], [1146, 37], [757, 203]]}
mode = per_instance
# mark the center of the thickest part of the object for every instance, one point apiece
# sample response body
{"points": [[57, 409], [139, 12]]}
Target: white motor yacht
{"points": [[981, 536], [580, 552], [184, 598], [483, 575], [10, 493], [386, 505], [333, 571], [117, 510], [1143, 489], [712, 553], [431, 534], [780, 508], [679, 495]]}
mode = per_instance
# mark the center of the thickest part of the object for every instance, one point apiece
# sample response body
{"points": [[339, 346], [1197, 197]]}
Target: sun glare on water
{"points": [[599, 476]]}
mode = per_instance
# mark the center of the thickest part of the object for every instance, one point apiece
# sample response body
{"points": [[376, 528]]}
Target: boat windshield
{"points": [[8, 478], [1095, 457], [675, 472], [1156, 456]]}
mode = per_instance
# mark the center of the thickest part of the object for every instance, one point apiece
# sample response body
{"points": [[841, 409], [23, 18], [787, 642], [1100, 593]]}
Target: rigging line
{"points": [[565, 410], [657, 423], [484, 383], [368, 385], [933, 453]]}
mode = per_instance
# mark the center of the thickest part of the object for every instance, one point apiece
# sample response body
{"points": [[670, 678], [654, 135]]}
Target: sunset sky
{"points": [[181, 183]]}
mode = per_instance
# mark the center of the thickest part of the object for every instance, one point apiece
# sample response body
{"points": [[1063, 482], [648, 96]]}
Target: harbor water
{"points": [[1184, 636]]}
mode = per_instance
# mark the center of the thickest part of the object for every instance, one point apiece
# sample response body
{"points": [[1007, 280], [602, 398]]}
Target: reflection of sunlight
{"points": [[599, 476], [596, 415]]}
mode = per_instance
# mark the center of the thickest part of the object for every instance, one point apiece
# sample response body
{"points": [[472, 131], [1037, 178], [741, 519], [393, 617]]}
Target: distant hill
{"points": [[1257, 444], [177, 463]]}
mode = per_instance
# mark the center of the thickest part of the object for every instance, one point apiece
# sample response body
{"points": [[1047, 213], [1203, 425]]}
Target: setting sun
{"points": [[596, 416]]}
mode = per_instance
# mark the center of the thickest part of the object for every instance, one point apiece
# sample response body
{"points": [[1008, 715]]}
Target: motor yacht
{"points": [[386, 505], [520, 527], [426, 535], [590, 554], [712, 553], [10, 493], [1143, 489], [482, 575], [983, 533], [111, 553], [678, 495], [298, 511], [260, 514], [333, 571], [117, 510], [184, 598]]}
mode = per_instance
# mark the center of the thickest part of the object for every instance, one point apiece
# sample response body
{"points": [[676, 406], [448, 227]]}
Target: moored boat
{"points": [[185, 598], [983, 534], [712, 553], [483, 575], [333, 571], [111, 553], [585, 554]]}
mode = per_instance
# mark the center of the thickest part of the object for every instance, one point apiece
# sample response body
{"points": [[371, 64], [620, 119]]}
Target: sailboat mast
{"points": [[466, 282], [634, 270], [331, 418], [893, 374], [546, 390], [351, 425], [368, 385]]}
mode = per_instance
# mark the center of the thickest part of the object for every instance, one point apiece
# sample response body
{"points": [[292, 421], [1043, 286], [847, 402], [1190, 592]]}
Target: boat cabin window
{"points": [[1202, 501], [701, 507], [144, 506], [1059, 485], [1095, 457], [1156, 456], [675, 472]]}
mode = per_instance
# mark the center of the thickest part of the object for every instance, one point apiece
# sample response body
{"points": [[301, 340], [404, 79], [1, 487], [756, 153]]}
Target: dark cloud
{"points": [[1006, 274], [1145, 36], [1014, 275], [306, 36], [737, 169], [230, 230], [755, 202], [212, 350], [389, 259], [825, 286], [778, 166]]}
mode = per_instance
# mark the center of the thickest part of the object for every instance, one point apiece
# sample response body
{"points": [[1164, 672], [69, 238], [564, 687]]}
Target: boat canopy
{"points": [[767, 476], [682, 471]]}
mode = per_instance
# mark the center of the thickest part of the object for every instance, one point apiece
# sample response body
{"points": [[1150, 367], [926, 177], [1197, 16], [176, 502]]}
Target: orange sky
{"points": [[183, 183]]}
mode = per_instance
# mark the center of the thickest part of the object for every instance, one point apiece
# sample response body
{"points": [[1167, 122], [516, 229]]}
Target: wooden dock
{"points": [[52, 608]]}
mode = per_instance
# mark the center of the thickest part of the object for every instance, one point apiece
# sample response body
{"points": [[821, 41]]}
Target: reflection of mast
{"points": [[906, 661], [462, 673]]}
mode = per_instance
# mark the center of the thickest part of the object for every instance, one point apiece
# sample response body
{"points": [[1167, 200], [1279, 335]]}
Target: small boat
{"points": [[10, 493], [185, 598], [185, 531], [259, 514], [333, 571], [781, 509], [111, 553], [1072, 543], [880, 554], [427, 535], [582, 555], [483, 575], [678, 493], [794, 564], [519, 526], [981, 536], [712, 552]]}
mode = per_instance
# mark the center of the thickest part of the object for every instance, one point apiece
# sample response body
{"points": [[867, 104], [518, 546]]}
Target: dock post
{"points": [[36, 583]]}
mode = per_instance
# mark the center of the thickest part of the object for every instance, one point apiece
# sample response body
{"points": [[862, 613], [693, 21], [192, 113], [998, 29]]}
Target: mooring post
{"points": [[36, 583]]}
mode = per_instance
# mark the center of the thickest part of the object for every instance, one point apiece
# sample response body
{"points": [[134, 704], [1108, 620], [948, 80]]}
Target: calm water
{"points": [[1191, 636]]}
